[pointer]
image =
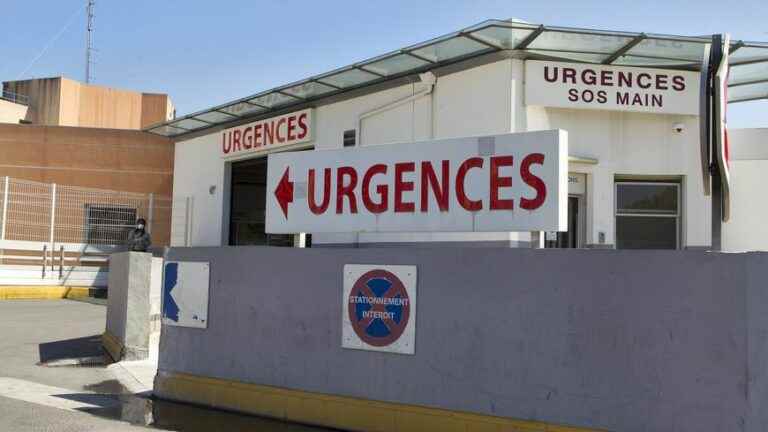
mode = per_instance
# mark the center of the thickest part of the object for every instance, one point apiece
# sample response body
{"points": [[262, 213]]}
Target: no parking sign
{"points": [[379, 308]]}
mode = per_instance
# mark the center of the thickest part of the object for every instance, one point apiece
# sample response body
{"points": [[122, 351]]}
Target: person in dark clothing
{"points": [[139, 239]]}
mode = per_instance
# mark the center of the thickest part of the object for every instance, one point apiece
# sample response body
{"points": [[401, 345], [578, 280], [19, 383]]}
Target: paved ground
{"points": [[36, 397], [32, 332]]}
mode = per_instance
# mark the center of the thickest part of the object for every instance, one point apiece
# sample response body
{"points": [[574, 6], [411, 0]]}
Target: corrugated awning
{"points": [[748, 79]]}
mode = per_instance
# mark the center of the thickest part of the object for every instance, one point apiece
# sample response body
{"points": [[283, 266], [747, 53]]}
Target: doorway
{"points": [[571, 238], [247, 213]]}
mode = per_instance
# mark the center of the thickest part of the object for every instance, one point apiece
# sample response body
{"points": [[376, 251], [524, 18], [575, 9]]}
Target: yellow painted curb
{"points": [[112, 346], [12, 292], [339, 412]]}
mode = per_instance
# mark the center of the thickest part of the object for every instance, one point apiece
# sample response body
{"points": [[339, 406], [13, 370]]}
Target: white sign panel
{"points": [[379, 308], [511, 182], [268, 134], [185, 294], [573, 85]]}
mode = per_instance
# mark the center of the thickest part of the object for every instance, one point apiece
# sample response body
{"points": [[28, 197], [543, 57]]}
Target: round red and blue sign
{"points": [[379, 308]]}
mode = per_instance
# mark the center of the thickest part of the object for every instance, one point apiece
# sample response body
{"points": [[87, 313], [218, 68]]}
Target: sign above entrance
{"points": [[573, 85], [511, 182], [272, 133]]}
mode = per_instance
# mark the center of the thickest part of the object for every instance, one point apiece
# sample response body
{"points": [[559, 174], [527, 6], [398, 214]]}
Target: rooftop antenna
{"points": [[89, 43]]}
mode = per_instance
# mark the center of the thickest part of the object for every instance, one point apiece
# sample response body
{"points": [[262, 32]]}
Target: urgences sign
{"points": [[510, 182], [572, 85], [267, 134]]}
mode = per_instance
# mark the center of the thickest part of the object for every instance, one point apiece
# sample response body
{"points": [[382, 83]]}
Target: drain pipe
{"points": [[427, 78]]}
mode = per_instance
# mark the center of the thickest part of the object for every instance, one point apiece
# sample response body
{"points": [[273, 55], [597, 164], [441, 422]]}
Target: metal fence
{"points": [[43, 212]]}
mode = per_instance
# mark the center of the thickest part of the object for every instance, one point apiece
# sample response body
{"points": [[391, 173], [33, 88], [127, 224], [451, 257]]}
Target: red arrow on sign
{"points": [[284, 192]]}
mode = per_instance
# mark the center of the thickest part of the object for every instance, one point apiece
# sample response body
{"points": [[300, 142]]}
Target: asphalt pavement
{"points": [[34, 333], [35, 395]]}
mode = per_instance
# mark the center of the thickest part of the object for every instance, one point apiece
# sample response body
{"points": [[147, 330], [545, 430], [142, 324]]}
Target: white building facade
{"points": [[635, 172]]}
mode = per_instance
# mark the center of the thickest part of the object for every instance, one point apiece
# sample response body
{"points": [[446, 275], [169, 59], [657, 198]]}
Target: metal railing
{"points": [[51, 213], [15, 97]]}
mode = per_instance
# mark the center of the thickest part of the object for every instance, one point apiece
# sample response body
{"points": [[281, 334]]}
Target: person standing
{"points": [[139, 239]]}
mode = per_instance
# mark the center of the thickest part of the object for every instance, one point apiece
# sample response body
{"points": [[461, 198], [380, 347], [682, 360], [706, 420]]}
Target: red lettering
{"points": [[382, 190], [461, 195], [226, 146], [319, 209], [346, 189], [303, 128], [533, 181], [439, 189], [403, 186], [269, 133], [236, 141], [498, 182], [291, 128], [280, 138], [257, 136], [247, 138]]}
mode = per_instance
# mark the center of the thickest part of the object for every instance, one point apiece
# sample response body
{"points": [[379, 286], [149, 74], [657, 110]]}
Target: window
{"points": [[647, 215], [108, 224], [349, 138]]}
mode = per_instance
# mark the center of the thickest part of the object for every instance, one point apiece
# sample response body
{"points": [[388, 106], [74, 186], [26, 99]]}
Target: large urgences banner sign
{"points": [[510, 182], [615, 88]]}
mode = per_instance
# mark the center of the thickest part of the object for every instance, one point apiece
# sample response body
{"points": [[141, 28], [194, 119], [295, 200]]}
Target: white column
{"points": [[5, 207], [53, 213], [151, 212]]}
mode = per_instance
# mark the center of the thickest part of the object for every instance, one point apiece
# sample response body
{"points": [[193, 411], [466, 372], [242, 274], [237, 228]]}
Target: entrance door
{"points": [[570, 238], [248, 206]]}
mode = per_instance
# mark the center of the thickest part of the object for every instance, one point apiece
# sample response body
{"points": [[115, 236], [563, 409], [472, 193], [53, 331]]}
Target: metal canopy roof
{"points": [[748, 78]]}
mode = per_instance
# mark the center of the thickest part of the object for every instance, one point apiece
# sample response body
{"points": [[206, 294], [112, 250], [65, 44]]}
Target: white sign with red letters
{"points": [[573, 85], [272, 133], [510, 182]]}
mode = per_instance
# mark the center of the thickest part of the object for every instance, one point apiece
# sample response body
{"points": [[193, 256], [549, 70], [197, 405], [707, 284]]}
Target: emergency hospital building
{"points": [[630, 103]]}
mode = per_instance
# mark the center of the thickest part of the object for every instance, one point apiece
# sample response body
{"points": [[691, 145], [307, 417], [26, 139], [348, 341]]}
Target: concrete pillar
{"points": [[132, 316]]}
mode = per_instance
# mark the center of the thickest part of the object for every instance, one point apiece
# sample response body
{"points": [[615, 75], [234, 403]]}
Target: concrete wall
{"points": [[63, 102], [156, 108], [130, 161], [748, 228], [111, 159], [631, 341], [12, 112], [487, 99]]}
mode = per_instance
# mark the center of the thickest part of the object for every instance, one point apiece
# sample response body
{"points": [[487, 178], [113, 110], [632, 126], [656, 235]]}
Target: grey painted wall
{"points": [[621, 340]]}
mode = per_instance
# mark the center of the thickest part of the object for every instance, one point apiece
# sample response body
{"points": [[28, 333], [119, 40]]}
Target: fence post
{"points": [[151, 212], [5, 207], [53, 219]]}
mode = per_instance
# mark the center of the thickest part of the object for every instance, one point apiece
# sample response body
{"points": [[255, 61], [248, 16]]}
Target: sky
{"points": [[203, 53]]}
